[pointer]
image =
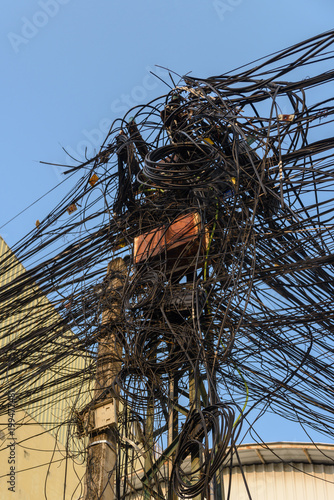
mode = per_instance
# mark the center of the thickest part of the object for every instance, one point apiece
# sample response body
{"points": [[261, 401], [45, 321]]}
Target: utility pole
{"points": [[194, 403], [172, 423], [102, 447]]}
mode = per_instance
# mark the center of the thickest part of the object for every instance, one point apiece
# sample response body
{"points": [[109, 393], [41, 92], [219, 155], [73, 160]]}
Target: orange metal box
{"points": [[184, 230]]}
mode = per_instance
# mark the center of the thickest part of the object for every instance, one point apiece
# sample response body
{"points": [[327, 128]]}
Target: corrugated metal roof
{"points": [[318, 453], [277, 481], [282, 470]]}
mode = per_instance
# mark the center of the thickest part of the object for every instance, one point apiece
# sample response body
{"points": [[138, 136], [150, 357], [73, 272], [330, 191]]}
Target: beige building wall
{"points": [[35, 438], [42, 467]]}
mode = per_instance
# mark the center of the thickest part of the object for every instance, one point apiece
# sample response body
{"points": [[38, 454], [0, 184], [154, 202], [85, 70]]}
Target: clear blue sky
{"points": [[72, 66]]}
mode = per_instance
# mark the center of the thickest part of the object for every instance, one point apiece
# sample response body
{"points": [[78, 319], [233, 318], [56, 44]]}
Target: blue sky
{"points": [[70, 67]]}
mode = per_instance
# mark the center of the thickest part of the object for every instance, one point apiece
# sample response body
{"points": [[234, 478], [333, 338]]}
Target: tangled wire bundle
{"points": [[218, 198], [217, 420]]}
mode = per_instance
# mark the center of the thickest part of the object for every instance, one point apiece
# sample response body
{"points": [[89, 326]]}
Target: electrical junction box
{"points": [[183, 236], [95, 418], [186, 301], [105, 415]]}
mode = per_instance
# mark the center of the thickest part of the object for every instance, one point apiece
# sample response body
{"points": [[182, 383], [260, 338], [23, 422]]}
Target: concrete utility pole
{"points": [[102, 447]]}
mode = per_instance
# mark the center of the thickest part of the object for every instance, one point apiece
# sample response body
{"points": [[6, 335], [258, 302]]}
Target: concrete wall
{"points": [[38, 461]]}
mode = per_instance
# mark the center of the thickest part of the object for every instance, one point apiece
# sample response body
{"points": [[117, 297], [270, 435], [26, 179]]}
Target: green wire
{"points": [[247, 395]]}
